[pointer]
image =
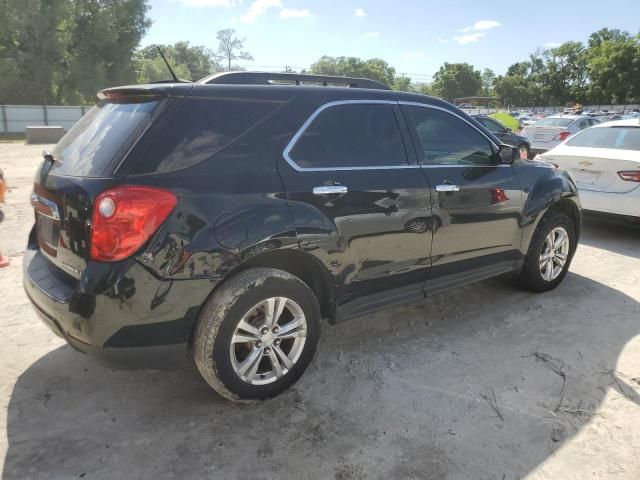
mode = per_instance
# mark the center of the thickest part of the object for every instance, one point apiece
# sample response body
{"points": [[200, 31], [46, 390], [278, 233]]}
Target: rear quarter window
{"points": [[554, 122], [101, 137], [200, 129]]}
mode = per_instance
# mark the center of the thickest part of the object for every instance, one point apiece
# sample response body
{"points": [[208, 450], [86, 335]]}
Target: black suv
{"points": [[224, 219], [506, 135]]}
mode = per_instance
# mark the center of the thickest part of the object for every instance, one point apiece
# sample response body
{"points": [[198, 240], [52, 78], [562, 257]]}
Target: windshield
{"points": [[101, 136], [554, 122], [619, 138]]}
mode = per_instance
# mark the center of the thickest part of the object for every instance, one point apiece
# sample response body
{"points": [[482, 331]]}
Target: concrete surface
{"points": [[468, 386]]}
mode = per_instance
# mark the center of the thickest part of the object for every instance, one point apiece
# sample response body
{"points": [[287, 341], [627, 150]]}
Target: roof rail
{"points": [[265, 78]]}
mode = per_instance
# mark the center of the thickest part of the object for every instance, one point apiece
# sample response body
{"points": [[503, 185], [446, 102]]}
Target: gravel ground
{"points": [[483, 382]]}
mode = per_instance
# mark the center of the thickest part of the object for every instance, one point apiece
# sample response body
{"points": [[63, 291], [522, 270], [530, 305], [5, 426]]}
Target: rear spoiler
{"points": [[142, 93]]}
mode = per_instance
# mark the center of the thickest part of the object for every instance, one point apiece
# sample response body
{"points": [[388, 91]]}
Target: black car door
{"points": [[477, 200], [359, 202]]}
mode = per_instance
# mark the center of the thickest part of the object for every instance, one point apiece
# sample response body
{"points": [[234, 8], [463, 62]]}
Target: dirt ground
{"points": [[483, 382]]}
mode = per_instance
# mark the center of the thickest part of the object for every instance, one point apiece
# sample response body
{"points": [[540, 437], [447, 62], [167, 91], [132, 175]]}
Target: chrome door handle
{"points": [[329, 189], [445, 187]]}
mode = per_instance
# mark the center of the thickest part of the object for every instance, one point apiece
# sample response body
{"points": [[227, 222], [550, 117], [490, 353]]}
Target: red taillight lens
{"points": [[562, 136], [630, 175], [124, 218]]}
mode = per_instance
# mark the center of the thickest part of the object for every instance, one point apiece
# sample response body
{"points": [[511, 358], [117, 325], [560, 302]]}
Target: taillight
{"points": [[124, 218], [630, 175], [562, 136]]}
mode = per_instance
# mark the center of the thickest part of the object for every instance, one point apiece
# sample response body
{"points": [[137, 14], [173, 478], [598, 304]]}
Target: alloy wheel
{"points": [[555, 252]]}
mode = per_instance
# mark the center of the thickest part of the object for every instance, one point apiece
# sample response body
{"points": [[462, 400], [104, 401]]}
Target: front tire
{"points": [[257, 334], [550, 253]]}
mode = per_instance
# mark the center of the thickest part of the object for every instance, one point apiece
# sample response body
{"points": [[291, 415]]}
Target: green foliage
{"points": [[373, 69], [506, 120], [63, 51], [188, 62], [606, 70], [455, 80]]}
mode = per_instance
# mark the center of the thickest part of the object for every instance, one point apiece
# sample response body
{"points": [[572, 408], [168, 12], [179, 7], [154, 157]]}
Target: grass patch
{"points": [[507, 120]]}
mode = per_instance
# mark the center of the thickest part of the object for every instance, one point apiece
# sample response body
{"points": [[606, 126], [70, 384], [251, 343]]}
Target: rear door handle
{"points": [[330, 189], [446, 187]]}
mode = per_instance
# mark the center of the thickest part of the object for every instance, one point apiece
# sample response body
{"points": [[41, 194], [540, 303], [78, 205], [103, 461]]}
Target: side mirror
{"points": [[508, 154]]}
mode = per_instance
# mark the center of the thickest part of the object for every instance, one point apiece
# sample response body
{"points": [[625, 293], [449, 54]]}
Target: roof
{"points": [[628, 122]]}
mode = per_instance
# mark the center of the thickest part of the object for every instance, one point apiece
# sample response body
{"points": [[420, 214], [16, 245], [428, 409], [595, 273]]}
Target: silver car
{"points": [[551, 131]]}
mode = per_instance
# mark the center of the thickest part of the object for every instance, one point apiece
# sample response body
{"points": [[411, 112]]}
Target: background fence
{"points": [[14, 118]]}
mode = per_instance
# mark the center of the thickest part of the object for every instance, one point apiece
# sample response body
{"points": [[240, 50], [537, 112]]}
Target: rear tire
{"points": [[546, 265], [257, 334]]}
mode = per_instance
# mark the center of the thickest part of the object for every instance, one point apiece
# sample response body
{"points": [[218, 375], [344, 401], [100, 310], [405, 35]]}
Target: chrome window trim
{"points": [[294, 140]]}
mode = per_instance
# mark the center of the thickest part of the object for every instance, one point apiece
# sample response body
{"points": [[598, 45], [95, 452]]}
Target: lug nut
{"points": [[258, 344], [264, 330], [267, 350], [276, 329], [276, 342]]}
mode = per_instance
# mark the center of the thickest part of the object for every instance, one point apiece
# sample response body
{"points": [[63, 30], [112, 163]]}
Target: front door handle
{"points": [[446, 187], [330, 190]]}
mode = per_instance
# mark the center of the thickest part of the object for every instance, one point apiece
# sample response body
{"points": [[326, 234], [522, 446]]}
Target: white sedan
{"points": [[604, 161]]}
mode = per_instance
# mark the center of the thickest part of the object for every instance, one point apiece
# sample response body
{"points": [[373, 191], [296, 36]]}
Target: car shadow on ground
{"points": [[615, 235], [482, 382]]}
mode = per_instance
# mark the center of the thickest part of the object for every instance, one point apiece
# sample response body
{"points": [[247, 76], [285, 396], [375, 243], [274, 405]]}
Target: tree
{"points": [[488, 82], [373, 69], [230, 47], [455, 80], [187, 61], [63, 51]]}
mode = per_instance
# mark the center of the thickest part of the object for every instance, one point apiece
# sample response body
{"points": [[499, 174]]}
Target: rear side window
{"points": [[447, 140], [619, 138], [198, 130], [351, 135], [101, 137]]}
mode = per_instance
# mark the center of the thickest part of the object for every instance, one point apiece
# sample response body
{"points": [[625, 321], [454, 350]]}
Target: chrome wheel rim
{"points": [[555, 252], [268, 341]]}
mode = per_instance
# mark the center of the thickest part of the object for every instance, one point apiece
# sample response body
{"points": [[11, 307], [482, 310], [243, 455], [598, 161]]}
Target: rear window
{"points": [[554, 122], [619, 138], [101, 136], [200, 129]]}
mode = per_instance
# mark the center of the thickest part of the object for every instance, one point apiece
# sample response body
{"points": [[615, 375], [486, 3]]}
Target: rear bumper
{"points": [[116, 329], [627, 204]]}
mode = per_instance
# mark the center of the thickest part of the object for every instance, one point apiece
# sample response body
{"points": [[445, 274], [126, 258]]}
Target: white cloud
{"points": [[259, 8], [552, 45], [287, 13], [413, 55], [469, 38], [371, 35], [481, 25], [209, 3], [359, 12], [442, 40]]}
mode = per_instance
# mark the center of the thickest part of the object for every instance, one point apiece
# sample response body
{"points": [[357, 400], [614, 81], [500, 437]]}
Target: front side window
{"points": [[619, 138], [446, 140], [351, 135], [492, 126]]}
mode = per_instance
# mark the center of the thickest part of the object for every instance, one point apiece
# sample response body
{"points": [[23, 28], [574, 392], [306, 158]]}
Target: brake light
{"points": [[630, 175], [562, 136], [124, 218]]}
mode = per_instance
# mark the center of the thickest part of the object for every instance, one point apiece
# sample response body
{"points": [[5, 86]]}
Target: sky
{"points": [[416, 37]]}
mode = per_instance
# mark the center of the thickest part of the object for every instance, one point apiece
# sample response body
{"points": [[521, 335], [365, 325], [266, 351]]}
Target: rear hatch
{"points": [[547, 129], [597, 169], [82, 165]]}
